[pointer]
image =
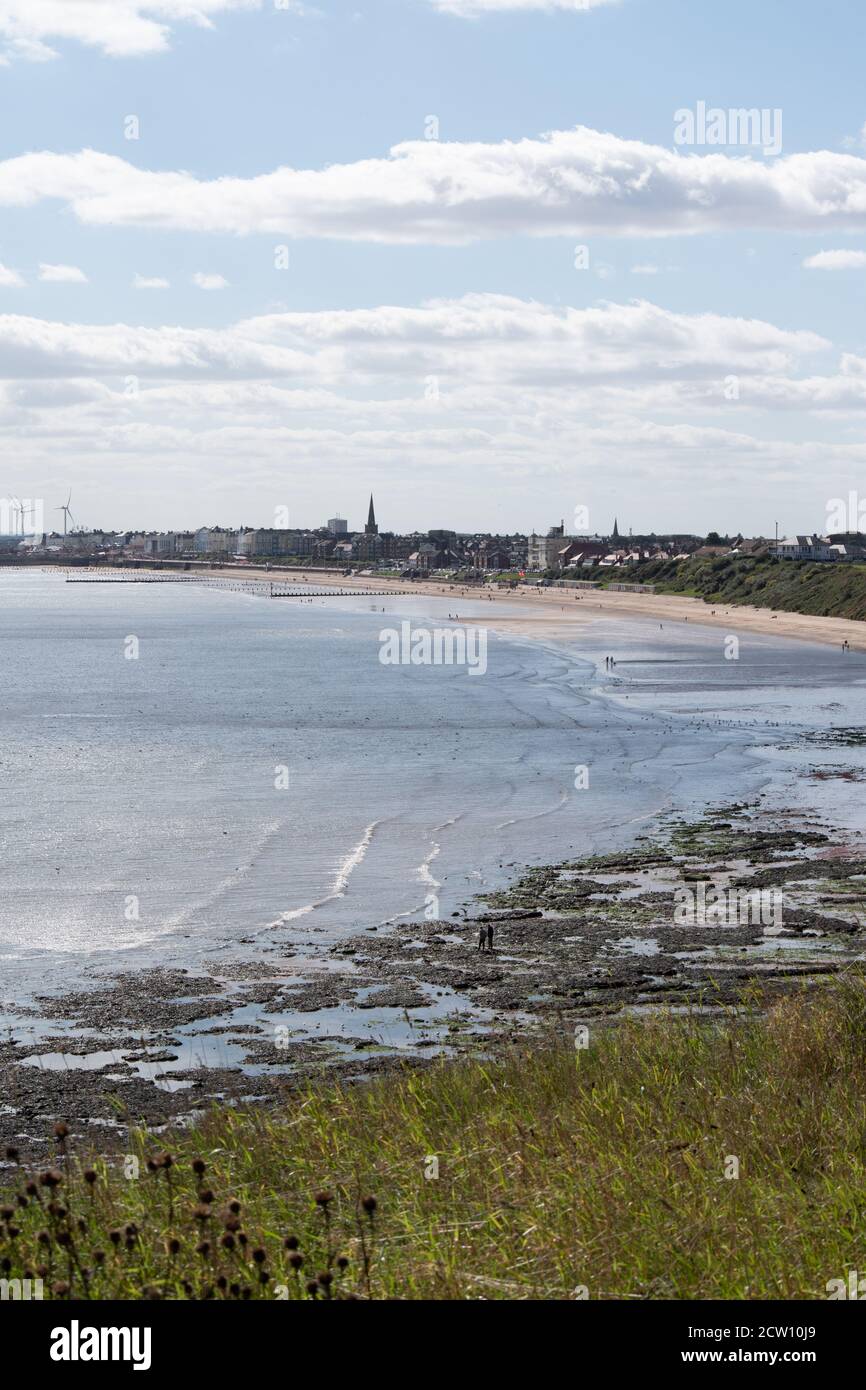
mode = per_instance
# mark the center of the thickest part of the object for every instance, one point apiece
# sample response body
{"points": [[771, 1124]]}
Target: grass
{"points": [[794, 586], [559, 1171]]}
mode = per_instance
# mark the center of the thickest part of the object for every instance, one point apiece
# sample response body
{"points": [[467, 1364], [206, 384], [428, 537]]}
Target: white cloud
{"points": [[577, 182], [149, 282], [836, 260], [632, 392], [62, 274], [10, 279], [484, 339], [209, 282], [119, 28]]}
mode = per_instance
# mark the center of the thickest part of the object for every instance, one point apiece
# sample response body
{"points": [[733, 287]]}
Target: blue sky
{"points": [[733, 399]]}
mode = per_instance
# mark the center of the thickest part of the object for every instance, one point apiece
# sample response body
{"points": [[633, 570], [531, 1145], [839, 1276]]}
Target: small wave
{"points": [[423, 870], [225, 885], [341, 882], [536, 815]]}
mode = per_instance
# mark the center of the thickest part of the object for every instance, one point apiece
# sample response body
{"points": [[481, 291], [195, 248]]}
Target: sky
{"points": [[500, 262]]}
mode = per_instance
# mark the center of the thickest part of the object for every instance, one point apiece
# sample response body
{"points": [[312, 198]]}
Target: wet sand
{"points": [[557, 613]]}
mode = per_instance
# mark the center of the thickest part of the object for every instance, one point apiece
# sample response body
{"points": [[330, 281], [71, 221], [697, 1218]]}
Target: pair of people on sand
{"points": [[485, 934]]}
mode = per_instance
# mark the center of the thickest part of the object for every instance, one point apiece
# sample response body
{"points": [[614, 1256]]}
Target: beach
{"points": [[551, 611]]}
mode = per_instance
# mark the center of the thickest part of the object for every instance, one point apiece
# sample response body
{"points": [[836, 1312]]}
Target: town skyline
{"points": [[19, 513], [559, 549]]}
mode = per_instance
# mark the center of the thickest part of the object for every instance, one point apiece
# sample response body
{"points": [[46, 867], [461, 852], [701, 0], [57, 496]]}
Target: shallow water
{"points": [[144, 817]]}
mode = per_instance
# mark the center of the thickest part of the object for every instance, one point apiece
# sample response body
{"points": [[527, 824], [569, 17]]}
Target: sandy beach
{"points": [[556, 611]]}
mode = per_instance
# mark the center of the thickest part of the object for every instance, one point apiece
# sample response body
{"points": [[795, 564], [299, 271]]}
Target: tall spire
{"points": [[615, 535], [371, 529]]}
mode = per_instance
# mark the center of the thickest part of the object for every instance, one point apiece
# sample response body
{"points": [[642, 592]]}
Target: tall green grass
{"points": [[549, 1173], [795, 586]]}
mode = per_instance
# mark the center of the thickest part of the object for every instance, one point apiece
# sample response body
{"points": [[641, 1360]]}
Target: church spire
{"points": [[371, 529], [615, 535]]}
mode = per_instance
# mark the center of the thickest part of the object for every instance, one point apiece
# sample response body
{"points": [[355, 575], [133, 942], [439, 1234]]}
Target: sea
{"points": [[187, 769]]}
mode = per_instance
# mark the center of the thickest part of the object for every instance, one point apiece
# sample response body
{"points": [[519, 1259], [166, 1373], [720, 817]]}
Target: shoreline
{"points": [[559, 611], [590, 942], [564, 609]]}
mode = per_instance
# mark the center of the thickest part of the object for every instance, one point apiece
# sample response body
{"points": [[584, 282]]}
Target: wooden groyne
{"points": [[277, 592], [264, 587]]}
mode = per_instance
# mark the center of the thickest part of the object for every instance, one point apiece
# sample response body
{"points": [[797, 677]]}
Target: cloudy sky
{"points": [[495, 260]]}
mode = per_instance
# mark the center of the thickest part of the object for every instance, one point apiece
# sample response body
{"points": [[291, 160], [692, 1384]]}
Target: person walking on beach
{"points": [[481, 936], [490, 937]]}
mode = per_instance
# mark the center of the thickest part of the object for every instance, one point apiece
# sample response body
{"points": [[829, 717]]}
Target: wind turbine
{"points": [[17, 511], [67, 515], [31, 509]]}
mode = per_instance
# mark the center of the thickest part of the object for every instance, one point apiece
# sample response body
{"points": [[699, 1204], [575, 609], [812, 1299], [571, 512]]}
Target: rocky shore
{"points": [[576, 945]]}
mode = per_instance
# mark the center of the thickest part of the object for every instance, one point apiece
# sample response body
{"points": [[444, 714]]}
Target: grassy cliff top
{"points": [[793, 586]]}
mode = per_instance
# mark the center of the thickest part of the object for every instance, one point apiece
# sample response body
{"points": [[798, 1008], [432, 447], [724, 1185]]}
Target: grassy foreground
{"points": [[608, 1170]]}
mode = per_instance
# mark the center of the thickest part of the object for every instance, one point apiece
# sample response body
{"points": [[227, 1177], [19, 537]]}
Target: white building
{"points": [[805, 548]]}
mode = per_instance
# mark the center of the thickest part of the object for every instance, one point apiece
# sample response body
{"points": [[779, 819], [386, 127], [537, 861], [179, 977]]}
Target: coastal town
{"points": [[416, 554]]}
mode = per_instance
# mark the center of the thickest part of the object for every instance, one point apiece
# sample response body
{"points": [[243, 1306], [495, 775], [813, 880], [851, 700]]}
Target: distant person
{"points": [[490, 936], [481, 937]]}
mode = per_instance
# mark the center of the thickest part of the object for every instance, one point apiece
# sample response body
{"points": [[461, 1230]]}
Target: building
{"points": [[265, 542], [805, 548], [214, 540], [543, 550], [556, 550], [490, 555], [338, 526], [371, 529]]}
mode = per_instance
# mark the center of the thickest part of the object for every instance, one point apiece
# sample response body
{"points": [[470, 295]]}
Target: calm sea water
{"points": [[257, 769]]}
